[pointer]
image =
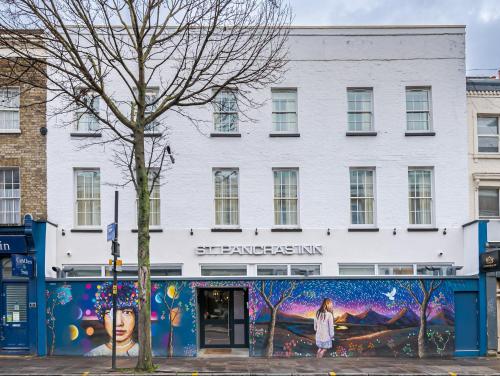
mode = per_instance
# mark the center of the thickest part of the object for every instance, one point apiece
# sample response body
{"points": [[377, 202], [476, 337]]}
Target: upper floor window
{"points": [[154, 198], [418, 109], [362, 196], [487, 134], [10, 196], [488, 202], [226, 197], [151, 105], [9, 108], [226, 112], [88, 197], [284, 110], [86, 119], [420, 196], [360, 110], [286, 197]]}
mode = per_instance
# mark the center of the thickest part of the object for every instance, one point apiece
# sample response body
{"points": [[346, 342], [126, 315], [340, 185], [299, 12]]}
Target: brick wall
{"points": [[27, 150]]}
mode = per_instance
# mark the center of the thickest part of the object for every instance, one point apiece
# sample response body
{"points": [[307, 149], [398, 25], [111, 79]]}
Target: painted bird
{"points": [[391, 294]]}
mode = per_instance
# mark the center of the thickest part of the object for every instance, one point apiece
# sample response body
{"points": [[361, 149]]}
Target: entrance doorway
{"points": [[223, 318]]}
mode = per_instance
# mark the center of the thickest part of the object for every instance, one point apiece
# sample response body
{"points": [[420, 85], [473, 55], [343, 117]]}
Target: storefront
{"points": [[270, 317], [22, 285]]}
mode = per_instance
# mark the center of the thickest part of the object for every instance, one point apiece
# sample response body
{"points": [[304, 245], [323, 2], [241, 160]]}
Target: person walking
{"points": [[325, 327]]}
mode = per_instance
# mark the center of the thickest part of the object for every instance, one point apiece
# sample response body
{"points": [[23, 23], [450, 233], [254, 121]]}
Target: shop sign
{"points": [[260, 250], [490, 261], [13, 244], [22, 266]]}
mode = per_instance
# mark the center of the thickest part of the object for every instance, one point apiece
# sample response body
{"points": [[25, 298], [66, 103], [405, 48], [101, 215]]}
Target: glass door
{"points": [[223, 318]]}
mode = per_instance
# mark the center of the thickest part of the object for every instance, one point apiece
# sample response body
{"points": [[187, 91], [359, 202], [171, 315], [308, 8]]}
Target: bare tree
{"points": [[117, 50], [274, 303], [422, 296]]}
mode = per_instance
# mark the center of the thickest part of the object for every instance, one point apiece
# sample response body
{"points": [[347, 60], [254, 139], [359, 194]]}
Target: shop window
{"points": [[356, 269], [263, 270], [10, 196], [7, 269], [76, 271], [395, 269], [436, 270], [305, 270], [222, 270]]}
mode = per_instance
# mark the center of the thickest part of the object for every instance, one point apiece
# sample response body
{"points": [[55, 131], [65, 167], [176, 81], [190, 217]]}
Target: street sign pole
{"points": [[115, 251]]}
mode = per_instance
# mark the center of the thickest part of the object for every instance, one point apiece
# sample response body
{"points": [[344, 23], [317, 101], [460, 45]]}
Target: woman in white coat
{"points": [[324, 326]]}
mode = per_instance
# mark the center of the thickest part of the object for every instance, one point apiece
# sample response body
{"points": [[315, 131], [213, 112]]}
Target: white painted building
{"points": [[374, 106]]}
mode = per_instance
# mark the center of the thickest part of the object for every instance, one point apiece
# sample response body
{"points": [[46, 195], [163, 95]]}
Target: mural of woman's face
{"points": [[125, 324]]}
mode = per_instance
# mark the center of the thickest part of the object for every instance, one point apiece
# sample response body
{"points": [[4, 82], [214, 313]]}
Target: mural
{"points": [[358, 317]]}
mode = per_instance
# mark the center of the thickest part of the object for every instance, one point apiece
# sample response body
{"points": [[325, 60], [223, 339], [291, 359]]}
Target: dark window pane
{"points": [[488, 202]]}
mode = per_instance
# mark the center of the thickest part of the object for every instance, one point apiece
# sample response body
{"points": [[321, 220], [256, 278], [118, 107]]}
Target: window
{"points": [[305, 270], [360, 110], [418, 109], [436, 270], [395, 269], [10, 196], [272, 270], [357, 269], [226, 112], [9, 108], [86, 120], [226, 197], [88, 198], [488, 202], [151, 96], [6, 269], [487, 134], [286, 197], [75, 271], [154, 198], [362, 196], [284, 110], [223, 270], [420, 196]]}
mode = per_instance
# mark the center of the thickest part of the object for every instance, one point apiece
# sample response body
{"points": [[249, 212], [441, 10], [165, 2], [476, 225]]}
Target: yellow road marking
{"points": [[331, 373], [86, 373], [453, 374], [195, 373]]}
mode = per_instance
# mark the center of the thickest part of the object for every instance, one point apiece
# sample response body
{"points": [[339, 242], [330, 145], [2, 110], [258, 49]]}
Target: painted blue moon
{"points": [[158, 299]]}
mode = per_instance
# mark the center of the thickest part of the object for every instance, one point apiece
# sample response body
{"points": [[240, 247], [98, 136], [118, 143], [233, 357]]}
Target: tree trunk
{"points": [[145, 360], [422, 333], [171, 340], [270, 337]]}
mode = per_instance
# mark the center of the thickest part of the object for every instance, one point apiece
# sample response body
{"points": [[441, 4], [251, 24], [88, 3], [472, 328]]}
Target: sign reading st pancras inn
{"points": [[260, 250]]}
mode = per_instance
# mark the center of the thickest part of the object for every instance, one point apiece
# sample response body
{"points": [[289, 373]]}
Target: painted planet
{"points": [[171, 292], [90, 331], [73, 332], [88, 312], [158, 298], [78, 313]]}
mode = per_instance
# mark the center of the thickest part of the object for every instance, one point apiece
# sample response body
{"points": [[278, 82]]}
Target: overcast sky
{"points": [[482, 18]]}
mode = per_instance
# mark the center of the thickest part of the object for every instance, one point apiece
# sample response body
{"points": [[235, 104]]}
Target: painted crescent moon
{"points": [[73, 332], [158, 298]]}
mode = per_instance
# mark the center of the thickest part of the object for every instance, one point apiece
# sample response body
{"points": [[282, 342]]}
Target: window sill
{"points": [[486, 156], [222, 229], [284, 134], [83, 134], [422, 229], [363, 229], [88, 230], [225, 134], [153, 134], [420, 133], [361, 134], [155, 229], [286, 229], [10, 131]]}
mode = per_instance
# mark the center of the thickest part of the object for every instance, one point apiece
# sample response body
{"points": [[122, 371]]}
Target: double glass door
{"points": [[223, 317]]}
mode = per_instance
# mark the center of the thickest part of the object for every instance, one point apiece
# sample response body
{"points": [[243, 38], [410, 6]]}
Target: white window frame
{"points": [[15, 129], [217, 110], [296, 112], [429, 112], [433, 211], [82, 111], [492, 187], [224, 266], [377, 267], [288, 268], [275, 225], [353, 265], [271, 265], [497, 135], [11, 168], [374, 198], [214, 170], [75, 193], [151, 199], [371, 112]]}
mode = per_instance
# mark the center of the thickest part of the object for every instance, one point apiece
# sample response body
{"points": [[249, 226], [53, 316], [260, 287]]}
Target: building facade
{"points": [[23, 212], [347, 179]]}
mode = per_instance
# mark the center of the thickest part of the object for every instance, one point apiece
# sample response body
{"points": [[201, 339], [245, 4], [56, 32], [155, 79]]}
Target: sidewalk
{"points": [[58, 366]]}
